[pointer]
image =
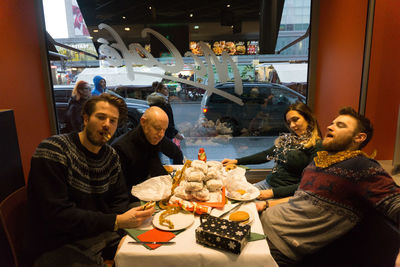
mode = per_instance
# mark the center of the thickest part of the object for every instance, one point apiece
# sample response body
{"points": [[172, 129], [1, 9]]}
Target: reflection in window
{"points": [[225, 129]]}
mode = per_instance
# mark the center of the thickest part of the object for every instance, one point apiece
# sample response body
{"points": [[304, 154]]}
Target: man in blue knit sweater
{"points": [[335, 189], [77, 196]]}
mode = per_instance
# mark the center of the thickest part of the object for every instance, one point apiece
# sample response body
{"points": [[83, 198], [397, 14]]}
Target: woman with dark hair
{"points": [[159, 98], [292, 152], [80, 94]]}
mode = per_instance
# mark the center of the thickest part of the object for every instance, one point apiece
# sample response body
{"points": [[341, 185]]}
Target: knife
{"points": [[152, 242], [232, 209]]}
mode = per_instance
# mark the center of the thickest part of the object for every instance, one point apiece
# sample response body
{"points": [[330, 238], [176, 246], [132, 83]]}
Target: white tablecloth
{"points": [[186, 252]]}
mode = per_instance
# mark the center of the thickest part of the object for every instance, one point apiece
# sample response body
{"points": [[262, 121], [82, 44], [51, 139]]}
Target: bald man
{"points": [[139, 148]]}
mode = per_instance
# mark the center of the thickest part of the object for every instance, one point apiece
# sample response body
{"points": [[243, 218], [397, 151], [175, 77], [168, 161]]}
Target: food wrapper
{"points": [[153, 189], [191, 206]]}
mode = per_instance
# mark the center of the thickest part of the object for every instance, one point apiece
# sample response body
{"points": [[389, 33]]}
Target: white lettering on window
{"points": [[131, 57]]}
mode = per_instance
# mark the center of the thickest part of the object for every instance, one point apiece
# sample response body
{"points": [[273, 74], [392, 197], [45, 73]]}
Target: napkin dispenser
{"points": [[223, 234]]}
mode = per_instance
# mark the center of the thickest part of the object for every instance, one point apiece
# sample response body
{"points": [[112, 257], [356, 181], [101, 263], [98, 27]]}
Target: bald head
{"points": [[154, 123]]}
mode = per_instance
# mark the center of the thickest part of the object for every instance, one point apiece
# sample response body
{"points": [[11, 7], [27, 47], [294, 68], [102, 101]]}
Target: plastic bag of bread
{"points": [[153, 189], [194, 175], [215, 196], [214, 184], [193, 186], [214, 173], [199, 165], [181, 192], [202, 195], [214, 164]]}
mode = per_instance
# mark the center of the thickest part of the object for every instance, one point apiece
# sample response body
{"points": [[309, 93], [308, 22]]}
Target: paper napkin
{"points": [[155, 235]]}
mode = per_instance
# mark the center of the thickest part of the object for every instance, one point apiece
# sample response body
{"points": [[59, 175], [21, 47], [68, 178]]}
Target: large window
{"points": [[219, 44]]}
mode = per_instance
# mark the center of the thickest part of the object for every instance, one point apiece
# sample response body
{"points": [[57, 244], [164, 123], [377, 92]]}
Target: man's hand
{"points": [[266, 194], [134, 217], [397, 262], [228, 161], [261, 206]]}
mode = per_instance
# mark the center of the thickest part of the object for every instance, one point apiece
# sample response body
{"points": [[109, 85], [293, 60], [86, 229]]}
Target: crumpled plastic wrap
{"points": [[154, 189], [237, 186]]}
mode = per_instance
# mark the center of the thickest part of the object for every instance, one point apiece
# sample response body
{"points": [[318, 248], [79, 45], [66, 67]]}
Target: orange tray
{"points": [[216, 204]]}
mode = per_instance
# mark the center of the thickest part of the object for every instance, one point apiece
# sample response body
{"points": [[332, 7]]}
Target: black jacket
{"points": [[140, 160], [74, 119]]}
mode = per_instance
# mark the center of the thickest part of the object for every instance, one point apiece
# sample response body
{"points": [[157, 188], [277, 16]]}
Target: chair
{"points": [[13, 214]]}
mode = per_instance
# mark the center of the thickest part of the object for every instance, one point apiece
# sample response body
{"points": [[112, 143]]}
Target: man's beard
{"points": [[338, 145], [90, 134]]}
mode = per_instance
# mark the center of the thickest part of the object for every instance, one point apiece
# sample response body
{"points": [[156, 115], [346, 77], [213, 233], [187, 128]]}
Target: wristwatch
{"points": [[265, 207]]}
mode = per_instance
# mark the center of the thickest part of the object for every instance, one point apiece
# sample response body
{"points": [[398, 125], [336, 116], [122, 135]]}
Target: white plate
{"points": [[246, 197], [251, 217], [180, 221]]}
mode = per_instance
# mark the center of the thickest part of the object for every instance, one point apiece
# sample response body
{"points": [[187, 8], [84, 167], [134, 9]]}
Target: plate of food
{"points": [[173, 222], [249, 193], [243, 215]]}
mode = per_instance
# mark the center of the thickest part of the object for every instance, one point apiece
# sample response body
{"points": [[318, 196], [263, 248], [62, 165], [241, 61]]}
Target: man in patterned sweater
{"points": [[335, 190], [76, 192]]}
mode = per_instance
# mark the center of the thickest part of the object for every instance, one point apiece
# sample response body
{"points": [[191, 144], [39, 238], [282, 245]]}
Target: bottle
{"points": [[202, 155]]}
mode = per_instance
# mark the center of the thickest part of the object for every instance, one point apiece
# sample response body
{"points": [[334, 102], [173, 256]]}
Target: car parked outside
{"points": [[62, 94], [139, 92], [261, 113]]}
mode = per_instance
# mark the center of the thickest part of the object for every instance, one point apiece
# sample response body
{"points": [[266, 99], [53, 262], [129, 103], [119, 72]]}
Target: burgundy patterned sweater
{"points": [[329, 202]]}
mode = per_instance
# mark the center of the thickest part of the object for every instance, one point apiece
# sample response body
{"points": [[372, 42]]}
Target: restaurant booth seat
{"points": [[375, 241], [13, 215]]}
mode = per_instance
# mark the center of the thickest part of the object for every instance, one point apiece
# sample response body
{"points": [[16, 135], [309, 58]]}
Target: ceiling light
{"points": [[196, 27], [150, 7], [123, 17], [127, 29], [191, 15], [95, 30], [228, 5]]}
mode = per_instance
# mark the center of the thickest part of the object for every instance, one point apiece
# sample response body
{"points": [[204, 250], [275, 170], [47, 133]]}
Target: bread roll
{"points": [[213, 173], [202, 195], [239, 216], [199, 165], [215, 196], [169, 169], [214, 184], [214, 163], [194, 186], [195, 176], [181, 192]]}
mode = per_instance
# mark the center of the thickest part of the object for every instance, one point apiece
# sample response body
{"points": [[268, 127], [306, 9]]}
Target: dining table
{"points": [[187, 252]]}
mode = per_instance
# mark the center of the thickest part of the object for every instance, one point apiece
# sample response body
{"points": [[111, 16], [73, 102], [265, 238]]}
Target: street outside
{"points": [[186, 116]]}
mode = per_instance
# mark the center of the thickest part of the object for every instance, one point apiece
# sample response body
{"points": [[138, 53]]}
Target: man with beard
{"points": [[139, 148], [77, 198], [335, 189]]}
